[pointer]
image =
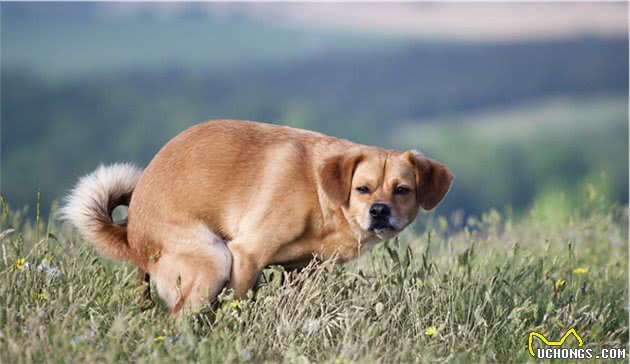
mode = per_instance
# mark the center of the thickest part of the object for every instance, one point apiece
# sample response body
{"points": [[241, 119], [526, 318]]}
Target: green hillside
{"points": [[54, 132], [542, 152]]}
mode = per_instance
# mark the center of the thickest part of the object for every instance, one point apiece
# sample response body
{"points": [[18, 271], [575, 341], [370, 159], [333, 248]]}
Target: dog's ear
{"points": [[335, 176], [433, 179]]}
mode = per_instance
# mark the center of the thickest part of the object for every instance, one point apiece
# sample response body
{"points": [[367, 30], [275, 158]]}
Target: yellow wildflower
{"points": [[430, 331], [19, 264], [580, 270], [159, 339], [41, 296], [235, 305], [560, 283]]}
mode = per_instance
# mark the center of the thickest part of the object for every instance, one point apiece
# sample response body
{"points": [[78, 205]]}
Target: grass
{"points": [[468, 293]]}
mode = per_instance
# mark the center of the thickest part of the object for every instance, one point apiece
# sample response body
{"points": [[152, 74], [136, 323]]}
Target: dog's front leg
{"points": [[246, 268]]}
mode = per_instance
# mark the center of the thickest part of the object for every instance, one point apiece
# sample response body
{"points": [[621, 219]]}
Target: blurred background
{"points": [[526, 103]]}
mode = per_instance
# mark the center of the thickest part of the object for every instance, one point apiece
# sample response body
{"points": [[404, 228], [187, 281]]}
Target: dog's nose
{"points": [[379, 210]]}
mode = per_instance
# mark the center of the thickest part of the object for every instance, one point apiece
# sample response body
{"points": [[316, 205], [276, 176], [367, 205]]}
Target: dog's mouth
{"points": [[381, 226]]}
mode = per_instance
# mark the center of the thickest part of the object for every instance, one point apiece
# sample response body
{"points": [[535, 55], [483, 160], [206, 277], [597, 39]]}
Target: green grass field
{"points": [[456, 294]]}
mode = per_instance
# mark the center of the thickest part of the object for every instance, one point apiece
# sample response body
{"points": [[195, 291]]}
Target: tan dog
{"points": [[224, 199]]}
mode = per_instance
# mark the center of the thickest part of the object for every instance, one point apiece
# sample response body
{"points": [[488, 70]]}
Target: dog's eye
{"points": [[363, 189], [402, 190]]}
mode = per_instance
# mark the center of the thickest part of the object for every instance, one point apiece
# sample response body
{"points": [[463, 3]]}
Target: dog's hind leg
{"points": [[193, 271], [200, 285]]}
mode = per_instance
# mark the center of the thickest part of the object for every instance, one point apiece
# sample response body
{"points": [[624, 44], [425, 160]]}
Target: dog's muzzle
{"points": [[380, 218]]}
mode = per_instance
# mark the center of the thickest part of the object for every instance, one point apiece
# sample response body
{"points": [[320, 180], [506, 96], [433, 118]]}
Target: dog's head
{"points": [[381, 191]]}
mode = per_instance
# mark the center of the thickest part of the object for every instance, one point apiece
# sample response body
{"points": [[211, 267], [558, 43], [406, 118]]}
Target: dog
{"points": [[225, 199]]}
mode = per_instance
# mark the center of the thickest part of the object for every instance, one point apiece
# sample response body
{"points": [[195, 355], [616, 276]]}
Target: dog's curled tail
{"points": [[90, 204]]}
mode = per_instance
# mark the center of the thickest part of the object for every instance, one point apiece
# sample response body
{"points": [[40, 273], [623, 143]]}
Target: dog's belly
{"points": [[297, 264], [334, 245]]}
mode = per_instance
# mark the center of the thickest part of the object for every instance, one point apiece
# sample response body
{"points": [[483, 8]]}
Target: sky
{"points": [[445, 20]]}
